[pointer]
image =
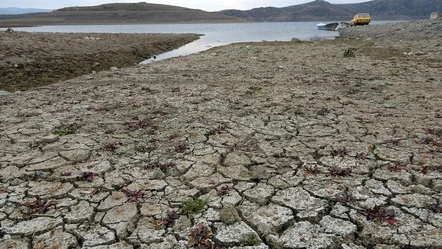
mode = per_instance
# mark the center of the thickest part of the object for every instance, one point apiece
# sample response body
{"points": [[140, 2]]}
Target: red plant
{"points": [[345, 197], [361, 155], [181, 148], [224, 190], [435, 208], [340, 152], [40, 206], [88, 176], [323, 111], [397, 167], [380, 214], [313, 170], [162, 167], [169, 222], [133, 194], [136, 124], [111, 146], [336, 172], [200, 237]]}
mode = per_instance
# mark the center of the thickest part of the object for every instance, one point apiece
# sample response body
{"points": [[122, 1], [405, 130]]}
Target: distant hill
{"points": [[118, 13], [16, 11], [321, 10], [140, 13]]}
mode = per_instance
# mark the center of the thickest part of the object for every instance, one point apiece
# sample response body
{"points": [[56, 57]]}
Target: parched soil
{"points": [[29, 60], [319, 144]]}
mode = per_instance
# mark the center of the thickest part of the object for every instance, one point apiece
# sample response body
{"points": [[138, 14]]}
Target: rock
{"points": [[6, 243], [122, 218], [83, 211], [35, 226], [94, 235], [147, 233], [50, 189], [426, 239], [304, 235], [198, 170], [206, 183], [117, 198], [343, 228], [229, 215], [169, 242], [260, 194], [349, 53], [297, 198], [56, 239], [236, 158], [237, 234], [436, 15], [4, 93], [269, 219]]}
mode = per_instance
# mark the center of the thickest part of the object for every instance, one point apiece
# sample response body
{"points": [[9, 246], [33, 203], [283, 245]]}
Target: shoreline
{"points": [[303, 144]]}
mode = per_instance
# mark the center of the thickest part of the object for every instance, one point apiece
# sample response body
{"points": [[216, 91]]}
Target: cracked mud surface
{"points": [[286, 145]]}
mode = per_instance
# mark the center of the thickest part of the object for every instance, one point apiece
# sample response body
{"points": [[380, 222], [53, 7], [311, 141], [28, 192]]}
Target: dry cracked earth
{"points": [[260, 145]]}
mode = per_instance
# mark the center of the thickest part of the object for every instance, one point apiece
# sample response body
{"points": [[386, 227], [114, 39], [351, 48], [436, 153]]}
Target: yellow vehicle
{"points": [[360, 19]]}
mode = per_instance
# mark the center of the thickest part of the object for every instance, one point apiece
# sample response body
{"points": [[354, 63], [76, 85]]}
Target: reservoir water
{"points": [[213, 34]]}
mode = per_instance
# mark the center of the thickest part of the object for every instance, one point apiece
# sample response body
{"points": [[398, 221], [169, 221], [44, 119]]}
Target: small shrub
{"points": [[169, 222], [162, 166], [66, 129], [312, 170], [133, 195], [192, 207], [181, 148], [40, 206], [337, 172], [200, 237], [88, 176], [251, 240], [339, 152]]}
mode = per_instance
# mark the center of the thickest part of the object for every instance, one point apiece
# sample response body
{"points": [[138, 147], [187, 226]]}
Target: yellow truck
{"points": [[360, 19]]}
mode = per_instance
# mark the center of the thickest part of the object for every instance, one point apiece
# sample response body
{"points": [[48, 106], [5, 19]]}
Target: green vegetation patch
{"points": [[192, 207]]}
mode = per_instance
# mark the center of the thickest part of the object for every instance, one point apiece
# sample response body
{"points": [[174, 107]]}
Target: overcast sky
{"points": [[208, 5]]}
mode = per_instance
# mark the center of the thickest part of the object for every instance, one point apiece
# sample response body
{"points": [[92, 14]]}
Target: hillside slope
{"points": [[117, 13], [322, 10]]}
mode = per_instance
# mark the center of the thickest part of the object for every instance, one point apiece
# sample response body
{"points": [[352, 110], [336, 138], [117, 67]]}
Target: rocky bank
{"points": [[253, 145]]}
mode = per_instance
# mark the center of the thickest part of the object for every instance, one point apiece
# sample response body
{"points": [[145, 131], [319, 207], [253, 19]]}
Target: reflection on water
{"points": [[213, 34]]}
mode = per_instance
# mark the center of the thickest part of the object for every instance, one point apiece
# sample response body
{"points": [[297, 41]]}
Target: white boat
{"points": [[345, 24], [327, 26]]}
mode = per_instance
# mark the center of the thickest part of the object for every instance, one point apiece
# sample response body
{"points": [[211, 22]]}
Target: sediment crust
{"points": [[251, 145]]}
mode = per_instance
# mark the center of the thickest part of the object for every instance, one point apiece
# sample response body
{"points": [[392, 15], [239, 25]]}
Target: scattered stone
{"points": [[229, 215], [237, 234], [34, 226], [305, 235]]}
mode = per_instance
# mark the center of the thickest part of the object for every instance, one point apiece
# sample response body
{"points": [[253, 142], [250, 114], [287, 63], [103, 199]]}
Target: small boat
{"points": [[329, 26], [345, 24]]}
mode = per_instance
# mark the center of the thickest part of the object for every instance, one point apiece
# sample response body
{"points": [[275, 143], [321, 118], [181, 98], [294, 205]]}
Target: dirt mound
{"points": [[30, 60]]}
